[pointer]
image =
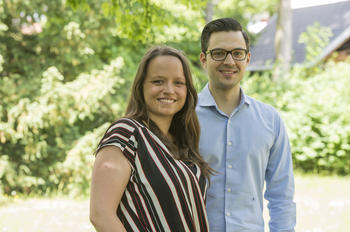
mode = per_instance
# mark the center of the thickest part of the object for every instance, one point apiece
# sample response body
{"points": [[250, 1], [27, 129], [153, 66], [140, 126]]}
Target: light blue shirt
{"points": [[246, 148]]}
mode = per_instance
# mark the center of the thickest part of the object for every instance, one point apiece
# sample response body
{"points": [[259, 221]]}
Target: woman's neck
{"points": [[163, 124]]}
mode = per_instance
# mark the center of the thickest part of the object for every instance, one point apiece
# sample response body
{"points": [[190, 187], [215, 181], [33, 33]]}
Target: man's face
{"points": [[225, 74]]}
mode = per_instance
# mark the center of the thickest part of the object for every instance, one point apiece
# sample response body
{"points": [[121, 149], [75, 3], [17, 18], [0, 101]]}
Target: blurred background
{"points": [[66, 67]]}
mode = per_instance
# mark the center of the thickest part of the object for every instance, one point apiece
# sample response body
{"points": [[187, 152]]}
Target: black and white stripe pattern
{"points": [[163, 194]]}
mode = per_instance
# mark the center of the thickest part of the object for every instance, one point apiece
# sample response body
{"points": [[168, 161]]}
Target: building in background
{"points": [[335, 16]]}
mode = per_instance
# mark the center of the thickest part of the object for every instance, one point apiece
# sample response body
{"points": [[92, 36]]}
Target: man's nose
{"points": [[229, 59]]}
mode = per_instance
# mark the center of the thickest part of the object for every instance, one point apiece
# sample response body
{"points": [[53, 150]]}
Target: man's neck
{"points": [[226, 99]]}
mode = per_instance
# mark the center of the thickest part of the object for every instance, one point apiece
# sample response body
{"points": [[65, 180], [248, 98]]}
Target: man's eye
{"points": [[219, 53], [238, 54]]}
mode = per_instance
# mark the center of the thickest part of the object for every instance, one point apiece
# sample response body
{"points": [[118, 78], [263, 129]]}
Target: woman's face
{"points": [[164, 88]]}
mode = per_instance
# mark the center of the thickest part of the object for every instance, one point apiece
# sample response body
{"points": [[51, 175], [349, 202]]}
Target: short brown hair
{"points": [[222, 24]]}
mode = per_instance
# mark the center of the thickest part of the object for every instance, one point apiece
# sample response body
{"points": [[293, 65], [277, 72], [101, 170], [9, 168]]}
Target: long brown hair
{"points": [[184, 126]]}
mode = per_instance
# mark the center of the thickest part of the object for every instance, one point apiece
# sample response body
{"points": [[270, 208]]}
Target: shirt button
{"points": [[228, 214], [229, 166], [229, 143], [229, 190]]}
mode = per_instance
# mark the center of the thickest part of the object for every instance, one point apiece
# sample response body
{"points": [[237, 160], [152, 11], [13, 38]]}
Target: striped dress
{"points": [[163, 194]]}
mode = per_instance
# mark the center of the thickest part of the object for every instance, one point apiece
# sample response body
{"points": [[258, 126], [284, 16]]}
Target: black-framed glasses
{"points": [[220, 54]]}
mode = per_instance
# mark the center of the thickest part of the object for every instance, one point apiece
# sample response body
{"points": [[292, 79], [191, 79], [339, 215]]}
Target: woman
{"points": [[148, 174]]}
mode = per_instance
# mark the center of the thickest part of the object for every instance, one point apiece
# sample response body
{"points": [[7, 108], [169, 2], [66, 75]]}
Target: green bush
{"points": [[316, 110], [61, 87], [45, 142]]}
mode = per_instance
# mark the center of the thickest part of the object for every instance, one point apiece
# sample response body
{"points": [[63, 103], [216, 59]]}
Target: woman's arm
{"points": [[110, 176]]}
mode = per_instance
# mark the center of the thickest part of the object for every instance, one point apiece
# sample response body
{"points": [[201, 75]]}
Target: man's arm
{"points": [[280, 183]]}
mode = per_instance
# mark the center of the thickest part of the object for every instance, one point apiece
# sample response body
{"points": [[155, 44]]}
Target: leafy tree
{"points": [[316, 38], [315, 107], [58, 82], [65, 73], [283, 39]]}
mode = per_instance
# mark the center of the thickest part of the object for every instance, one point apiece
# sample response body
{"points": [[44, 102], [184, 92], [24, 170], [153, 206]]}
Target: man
{"points": [[243, 139]]}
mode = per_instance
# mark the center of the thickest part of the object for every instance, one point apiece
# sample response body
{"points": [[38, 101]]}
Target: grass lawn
{"points": [[45, 215], [323, 205]]}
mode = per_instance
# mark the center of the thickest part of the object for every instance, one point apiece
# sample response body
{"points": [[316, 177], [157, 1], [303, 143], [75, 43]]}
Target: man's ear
{"points": [[203, 59], [248, 57]]}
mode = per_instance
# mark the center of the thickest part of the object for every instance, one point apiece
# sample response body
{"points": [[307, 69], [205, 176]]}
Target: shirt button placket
{"points": [[228, 168]]}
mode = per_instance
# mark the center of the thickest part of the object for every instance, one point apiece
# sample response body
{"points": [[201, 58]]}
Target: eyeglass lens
{"points": [[220, 54]]}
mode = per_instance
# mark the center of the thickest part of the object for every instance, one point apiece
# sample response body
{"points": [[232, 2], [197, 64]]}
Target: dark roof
{"points": [[336, 16]]}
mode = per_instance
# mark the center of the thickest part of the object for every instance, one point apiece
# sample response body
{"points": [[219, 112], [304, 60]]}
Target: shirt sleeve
{"points": [[280, 182], [121, 134]]}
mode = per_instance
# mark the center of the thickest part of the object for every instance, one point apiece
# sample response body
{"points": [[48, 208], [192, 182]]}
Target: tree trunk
{"points": [[283, 39], [209, 11]]}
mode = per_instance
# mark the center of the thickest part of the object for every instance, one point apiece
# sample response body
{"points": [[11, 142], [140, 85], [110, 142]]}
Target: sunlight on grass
{"points": [[45, 215], [323, 205]]}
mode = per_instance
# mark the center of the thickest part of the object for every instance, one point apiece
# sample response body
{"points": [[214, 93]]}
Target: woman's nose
{"points": [[169, 88]]}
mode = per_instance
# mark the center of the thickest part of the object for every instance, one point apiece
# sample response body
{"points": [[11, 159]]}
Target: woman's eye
{"points": [[157, 82], [180, 83]]}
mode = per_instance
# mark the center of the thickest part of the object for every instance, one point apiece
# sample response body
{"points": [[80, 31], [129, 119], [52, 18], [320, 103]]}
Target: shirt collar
{"points": [[206, 99]]}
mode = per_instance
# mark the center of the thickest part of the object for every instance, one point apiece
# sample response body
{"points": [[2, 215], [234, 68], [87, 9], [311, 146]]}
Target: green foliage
{"points": [[244, 11], [65, 74], [61, 80], [326, 104], [1, 62], [73, 174], [316, 38], [150, 21], [316, 110], [40, 131]]}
